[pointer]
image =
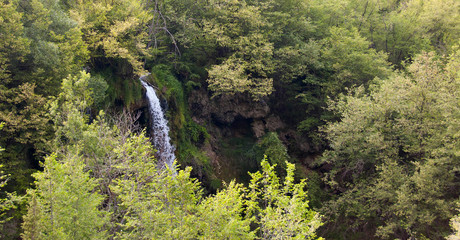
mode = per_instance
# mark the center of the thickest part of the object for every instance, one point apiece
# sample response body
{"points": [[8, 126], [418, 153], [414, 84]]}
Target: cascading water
{"points": [[160, 129]]}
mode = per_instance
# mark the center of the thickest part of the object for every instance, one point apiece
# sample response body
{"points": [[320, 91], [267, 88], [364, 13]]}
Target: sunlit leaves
{"points": [[351, 60], [65, 205], [116, 29], [396, 147], [281, 209]]}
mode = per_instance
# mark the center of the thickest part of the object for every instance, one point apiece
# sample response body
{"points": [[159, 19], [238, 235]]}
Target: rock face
{"points": [[224, 110], [227, 115], [235, 116]]}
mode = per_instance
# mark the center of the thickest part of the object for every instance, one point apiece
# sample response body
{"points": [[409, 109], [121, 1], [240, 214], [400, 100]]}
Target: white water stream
{"points": [[160, 129]]}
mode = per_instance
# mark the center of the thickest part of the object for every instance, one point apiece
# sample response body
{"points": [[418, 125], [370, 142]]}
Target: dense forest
{"points": [[291, 119]]}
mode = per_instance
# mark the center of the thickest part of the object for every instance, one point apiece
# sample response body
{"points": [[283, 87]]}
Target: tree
{"points": [[26, 121], [165, 205], [455, 223], [275, 152], [245, 45], [438, 21], [14, 45], [13, 50], [221, 217], [65, 204], [347, 61], [169, 204], [68, 110], [99, 184], [281, 210], [56, 46], [68, 200], [7, 200], [239, 27], [114, 30], [394, 152], [40, 46], [351, 61], [26, 134]]}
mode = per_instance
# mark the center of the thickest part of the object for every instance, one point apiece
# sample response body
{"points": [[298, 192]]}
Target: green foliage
{"points": [[122, 90], [56, 45], [397, 147], [309, 123], [14, 46], [455, 223], [402, 29], [281, 210], [198, 133], [275, 151], [351, 61], [98, 86], [393, 155], [102, 184], [436, 20], [221, 215], [1, 127], [192, 85], [8, 201], [68, 109], [248, 66], [169, 85], [243, 43], [64, 205], [316, 195], [67, 203], [40, 45], [166, 205], [347, 61], [26, 118], [115, 29], [241, 156], [162, 205], [26, 134]]}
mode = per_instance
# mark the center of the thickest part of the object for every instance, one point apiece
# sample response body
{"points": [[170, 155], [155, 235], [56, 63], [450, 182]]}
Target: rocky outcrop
{"points": [[225, 109], [228, 115]]}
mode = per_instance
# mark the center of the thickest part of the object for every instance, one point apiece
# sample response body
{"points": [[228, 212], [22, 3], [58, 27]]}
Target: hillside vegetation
{"points": [[292, 119]]}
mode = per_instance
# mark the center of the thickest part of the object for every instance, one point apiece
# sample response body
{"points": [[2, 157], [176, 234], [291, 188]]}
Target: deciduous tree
{"points": [[394, 152]]}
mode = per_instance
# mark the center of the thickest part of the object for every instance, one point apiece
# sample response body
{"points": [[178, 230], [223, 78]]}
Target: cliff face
{"points": [[224, 110], [235, 124]]}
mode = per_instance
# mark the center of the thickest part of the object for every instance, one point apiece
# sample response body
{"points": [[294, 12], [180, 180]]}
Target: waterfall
{"points": [[160, 129]]}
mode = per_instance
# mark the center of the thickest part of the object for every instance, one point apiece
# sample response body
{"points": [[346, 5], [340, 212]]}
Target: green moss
{"points": [[197, 133], [121, 90], [190, 85], [185, 134], [192, 155], [170, 89], [167, 83]]}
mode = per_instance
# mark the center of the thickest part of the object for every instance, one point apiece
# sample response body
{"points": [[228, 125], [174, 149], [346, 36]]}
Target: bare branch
{"points": [[159, 23], [127, 123]]}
